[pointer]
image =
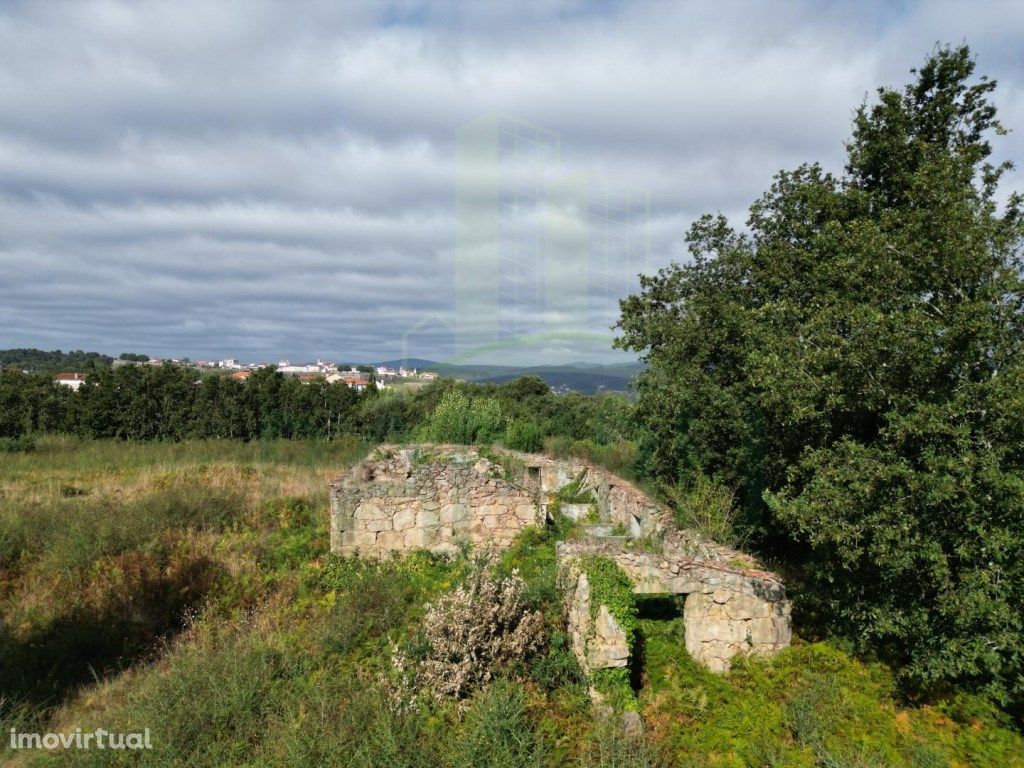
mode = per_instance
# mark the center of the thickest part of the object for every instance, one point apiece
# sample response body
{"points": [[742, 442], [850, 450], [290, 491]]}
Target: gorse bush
{"points": [[497, 732]]}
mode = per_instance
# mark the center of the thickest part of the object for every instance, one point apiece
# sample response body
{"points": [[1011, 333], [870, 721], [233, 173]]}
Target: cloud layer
{"points": [[263, 179]]}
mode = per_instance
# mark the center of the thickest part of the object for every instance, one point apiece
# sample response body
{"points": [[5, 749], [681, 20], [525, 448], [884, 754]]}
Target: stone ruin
{"points": [[441, 497]]}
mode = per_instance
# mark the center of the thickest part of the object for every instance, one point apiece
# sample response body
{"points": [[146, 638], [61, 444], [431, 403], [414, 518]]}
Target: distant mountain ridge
{"points": [[585, 378]]}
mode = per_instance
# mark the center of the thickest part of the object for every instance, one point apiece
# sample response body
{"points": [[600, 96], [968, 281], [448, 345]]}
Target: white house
{"points": [[72, 380]]}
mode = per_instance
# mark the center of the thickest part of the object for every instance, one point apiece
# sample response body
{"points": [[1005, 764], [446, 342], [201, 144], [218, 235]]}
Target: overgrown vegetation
{"points": [[470, 636], [707, 507], [610, 587], [275, 651]]}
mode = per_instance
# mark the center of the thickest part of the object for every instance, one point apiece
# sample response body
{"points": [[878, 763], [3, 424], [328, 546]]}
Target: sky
{"points": [[320, 179]]}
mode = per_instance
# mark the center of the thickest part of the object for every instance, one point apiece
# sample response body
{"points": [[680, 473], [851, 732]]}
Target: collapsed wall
{"points": [[439, 497]]}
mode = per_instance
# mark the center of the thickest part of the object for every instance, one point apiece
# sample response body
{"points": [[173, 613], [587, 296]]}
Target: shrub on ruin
{"points": [[522, 435], [706, 507], [471, 634], [459, 419]]}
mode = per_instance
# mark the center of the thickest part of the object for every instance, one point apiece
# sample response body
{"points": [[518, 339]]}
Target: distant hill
{"points": [[40, 361], [418, 363], [585, 378]]}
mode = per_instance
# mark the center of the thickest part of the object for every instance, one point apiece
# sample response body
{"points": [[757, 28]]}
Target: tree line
{"points": [[172, 402]]}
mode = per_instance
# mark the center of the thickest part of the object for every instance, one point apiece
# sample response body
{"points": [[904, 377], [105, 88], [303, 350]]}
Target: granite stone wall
{"points": [[439, 497], [731, 608], [429, 497]]}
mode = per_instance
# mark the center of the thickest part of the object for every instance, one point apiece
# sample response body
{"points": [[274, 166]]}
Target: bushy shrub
{"points": [[470, 634], [486, 423], [497, 732], [23, 444], [557, 667], [458, 419], [707, 508], [610, 746], [526, 436]]}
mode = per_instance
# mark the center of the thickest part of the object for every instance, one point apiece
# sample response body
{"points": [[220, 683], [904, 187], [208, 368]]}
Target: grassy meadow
{"points": [[187, 588]]}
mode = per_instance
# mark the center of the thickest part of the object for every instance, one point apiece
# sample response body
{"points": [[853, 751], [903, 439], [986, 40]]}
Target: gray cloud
{"points": [[262, 179]]}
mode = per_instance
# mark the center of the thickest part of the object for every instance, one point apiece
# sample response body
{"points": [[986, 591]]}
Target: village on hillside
{"points": [[358, 377]]}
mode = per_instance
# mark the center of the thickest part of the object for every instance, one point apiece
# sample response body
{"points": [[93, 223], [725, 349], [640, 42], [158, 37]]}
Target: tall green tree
{"points": [[852, 362]]}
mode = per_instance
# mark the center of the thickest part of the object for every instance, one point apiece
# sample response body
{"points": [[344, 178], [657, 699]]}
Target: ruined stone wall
{"points": [[437, 497], [619, 502], [597, 639], [722, 624], [731, 607], [428, 497]]}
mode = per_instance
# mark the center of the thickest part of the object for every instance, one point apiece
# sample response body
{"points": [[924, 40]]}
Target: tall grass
{"points": [[63, 534], [60, 453]]}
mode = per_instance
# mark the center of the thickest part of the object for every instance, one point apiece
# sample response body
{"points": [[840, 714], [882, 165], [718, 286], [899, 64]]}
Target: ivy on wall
{"points": [[610, 586]]}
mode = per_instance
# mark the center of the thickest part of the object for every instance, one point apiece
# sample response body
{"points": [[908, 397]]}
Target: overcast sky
{"points": [[267, 179]]}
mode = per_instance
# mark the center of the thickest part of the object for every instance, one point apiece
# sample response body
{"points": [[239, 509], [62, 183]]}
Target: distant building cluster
{"points": [[357, 377]]}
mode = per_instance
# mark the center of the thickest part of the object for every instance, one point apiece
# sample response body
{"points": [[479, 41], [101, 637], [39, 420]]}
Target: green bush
{"points": [[608, 745], [707, 507], [23, 444], [496, 731], [557, 666], [460, 419], [526, 436], [486, 422]]}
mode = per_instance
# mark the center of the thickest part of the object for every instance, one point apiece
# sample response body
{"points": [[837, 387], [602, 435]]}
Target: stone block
{"points": [[365, 539], [404, 518], [391, 540], [378, 524]]}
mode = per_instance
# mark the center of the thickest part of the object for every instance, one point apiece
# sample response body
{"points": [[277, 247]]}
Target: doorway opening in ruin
{"points": [[660, 629]]}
